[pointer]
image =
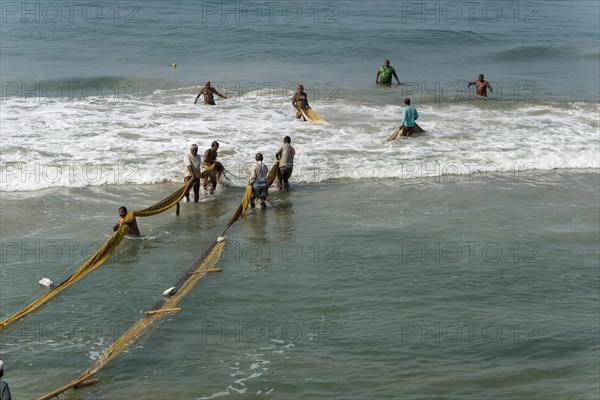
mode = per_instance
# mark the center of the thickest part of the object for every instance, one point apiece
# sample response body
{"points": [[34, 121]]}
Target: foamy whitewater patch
{"points": [[99, 140]]}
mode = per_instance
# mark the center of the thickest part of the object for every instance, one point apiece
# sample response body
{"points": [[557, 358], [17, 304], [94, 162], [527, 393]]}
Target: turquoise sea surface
{"points": [[459, 264]]}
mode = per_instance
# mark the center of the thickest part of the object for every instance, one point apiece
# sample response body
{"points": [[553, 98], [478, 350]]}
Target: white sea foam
{"points": [[98, 140]]}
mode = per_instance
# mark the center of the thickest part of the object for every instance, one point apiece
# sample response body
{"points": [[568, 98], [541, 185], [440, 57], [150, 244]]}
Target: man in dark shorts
{"points": [[481, 86], [191, 169], [207, 91], [210, 157], [285, 155], [385, 73], [300, 101]]}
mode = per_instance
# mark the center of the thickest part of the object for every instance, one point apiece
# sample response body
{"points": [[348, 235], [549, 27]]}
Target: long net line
{"points": [[140, 327], [102, 254], [184, 285], [96, 260]]}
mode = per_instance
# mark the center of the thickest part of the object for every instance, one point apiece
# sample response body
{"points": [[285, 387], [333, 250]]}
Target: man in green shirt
{"points": [[385, 73]]}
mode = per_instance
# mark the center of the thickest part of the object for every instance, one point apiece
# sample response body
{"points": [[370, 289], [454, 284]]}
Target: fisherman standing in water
{"points": [[210, 158], [300, 101], [207, 91], [132, 227], [191, 164], [258, 180], [385, 73], [409, 116], [480, 86], [285, 155]]}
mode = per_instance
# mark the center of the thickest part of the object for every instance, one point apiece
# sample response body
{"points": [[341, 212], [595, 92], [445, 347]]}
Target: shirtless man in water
{"points": [[481, 86], [131, 223], [207, 91], [210, 157], [300, 101]]}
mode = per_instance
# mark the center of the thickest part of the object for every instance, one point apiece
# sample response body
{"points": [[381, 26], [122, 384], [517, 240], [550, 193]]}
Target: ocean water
{"points": [[459, 264], [388, 289]]}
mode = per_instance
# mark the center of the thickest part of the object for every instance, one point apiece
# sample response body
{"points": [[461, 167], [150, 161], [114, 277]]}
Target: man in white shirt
{"points": [[192, 162]]}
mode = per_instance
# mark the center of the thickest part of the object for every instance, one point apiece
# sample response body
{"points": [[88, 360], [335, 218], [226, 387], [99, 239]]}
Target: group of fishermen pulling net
{"points": [[167, 304]]}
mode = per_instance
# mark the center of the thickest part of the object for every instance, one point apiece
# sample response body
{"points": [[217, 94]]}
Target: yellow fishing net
{"points": [[96, 260], [185, 284], [100, 256], [312, 116], [402, 131], [272, 173], [138, 329]]}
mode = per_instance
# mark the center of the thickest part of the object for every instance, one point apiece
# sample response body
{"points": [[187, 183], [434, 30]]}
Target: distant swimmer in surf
{"points": [[300, 102], [481, 86], [131, 223], [207, 91], [385, 73]]}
